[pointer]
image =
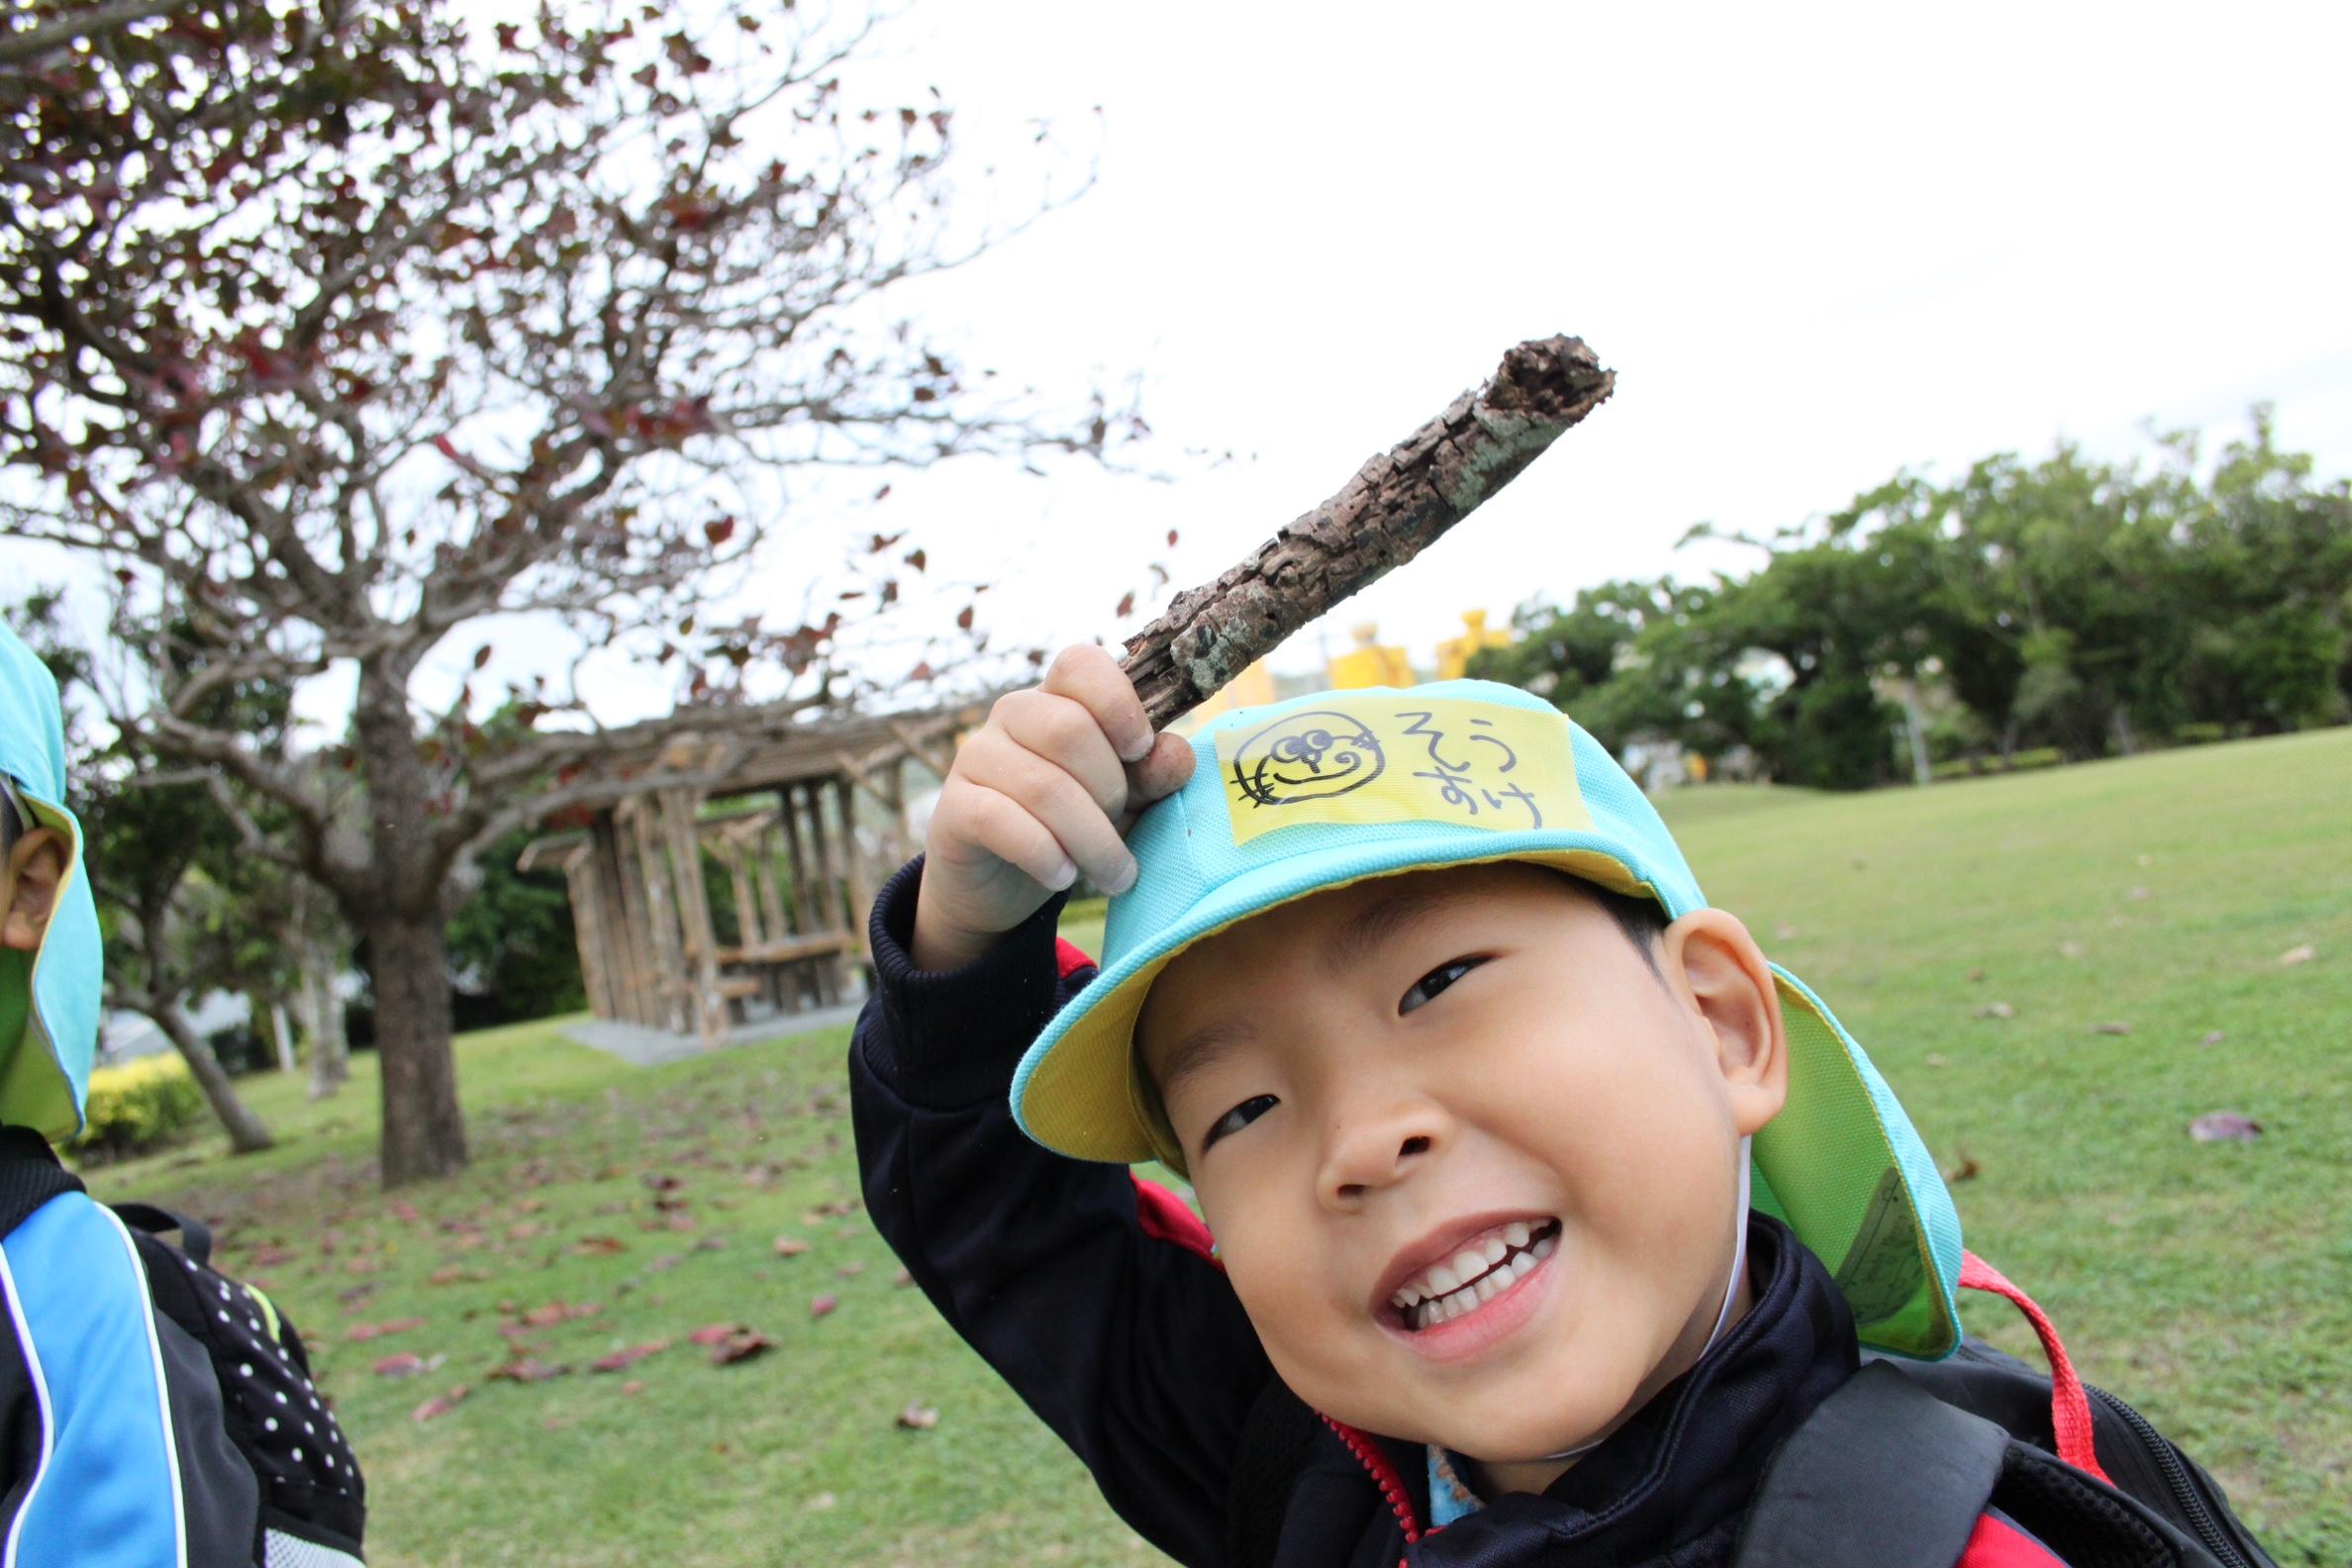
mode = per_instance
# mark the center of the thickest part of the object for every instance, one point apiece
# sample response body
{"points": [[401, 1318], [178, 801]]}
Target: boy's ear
{"points": [[35, 870], [1712, 958]]}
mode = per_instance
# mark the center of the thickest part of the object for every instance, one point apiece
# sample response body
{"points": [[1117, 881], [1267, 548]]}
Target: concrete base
{"points": [[651, 1047]]}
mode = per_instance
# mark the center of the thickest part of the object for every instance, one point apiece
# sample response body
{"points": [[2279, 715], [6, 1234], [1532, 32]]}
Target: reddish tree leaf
{"points": [[628, 1357], [718, 531], [822, 1304], [633, 1385], [2115, 1027], [740, 1345], [919, 559], [406, 1364], [917, 1417], [903, 1278], [790, 1246], [1171, 538], [713, 1334], [440, 1404], [377, 1330], [599, 1246], [850, 1270], [481, 655], [529, 1369], [2224, 1126], [554, 1313], [963, 618], [2298, 955], [1127, 605]]}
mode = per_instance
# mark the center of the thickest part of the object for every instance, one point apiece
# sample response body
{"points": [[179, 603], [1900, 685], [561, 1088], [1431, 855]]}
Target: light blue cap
{"points": [[1298, 797]]}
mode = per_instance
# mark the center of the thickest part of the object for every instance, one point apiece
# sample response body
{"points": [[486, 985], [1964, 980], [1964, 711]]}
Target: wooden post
{"points": [[861, 897], [661, 907], [705, 1008], [739, 878], [618, 864], [788, 808], [579, 880]]}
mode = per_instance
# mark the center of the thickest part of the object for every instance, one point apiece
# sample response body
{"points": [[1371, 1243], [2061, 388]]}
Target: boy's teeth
{"points": [[1460, 1303], [1495, 1251], [1523, 1265], [1444, 1280], [1515, 1233], [1469, 1264], [1477, 1274], [1492, 1285], [1544, 1248]]}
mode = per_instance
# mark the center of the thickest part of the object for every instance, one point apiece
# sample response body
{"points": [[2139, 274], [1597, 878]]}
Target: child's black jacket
{"points": [[1071, 1280]]}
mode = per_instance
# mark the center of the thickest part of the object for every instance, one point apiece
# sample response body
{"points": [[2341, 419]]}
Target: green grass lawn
{"points": [[2211, 1284]]}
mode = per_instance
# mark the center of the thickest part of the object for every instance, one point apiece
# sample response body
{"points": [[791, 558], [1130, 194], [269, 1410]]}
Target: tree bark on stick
{"points": [[1396, 505]]}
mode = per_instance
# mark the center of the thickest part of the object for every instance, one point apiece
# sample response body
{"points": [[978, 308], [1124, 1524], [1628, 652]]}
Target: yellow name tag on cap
{"points": [[1361, 761]]}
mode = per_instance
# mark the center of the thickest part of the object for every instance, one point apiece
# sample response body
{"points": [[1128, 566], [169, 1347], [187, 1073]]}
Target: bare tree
{"points": [[338, 327]]}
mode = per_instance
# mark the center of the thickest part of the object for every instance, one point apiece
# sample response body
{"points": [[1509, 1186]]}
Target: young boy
{"points": [[1546, 1211], [118, 1445]]}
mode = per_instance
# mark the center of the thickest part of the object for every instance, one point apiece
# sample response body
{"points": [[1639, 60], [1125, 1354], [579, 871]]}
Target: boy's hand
{"points": [[1047, 788]]}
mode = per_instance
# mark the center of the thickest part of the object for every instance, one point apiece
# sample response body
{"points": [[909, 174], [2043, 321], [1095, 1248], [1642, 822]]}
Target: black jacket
{"points": [[1123, 1336], [1135, 1351]]}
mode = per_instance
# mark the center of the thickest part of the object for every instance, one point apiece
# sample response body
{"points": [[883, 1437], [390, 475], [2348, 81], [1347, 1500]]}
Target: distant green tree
{"points": [[510, 944]]}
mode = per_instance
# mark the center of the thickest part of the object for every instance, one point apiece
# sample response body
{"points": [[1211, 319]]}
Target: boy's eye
{"points": [[1239, 1116], [1436, 980]]}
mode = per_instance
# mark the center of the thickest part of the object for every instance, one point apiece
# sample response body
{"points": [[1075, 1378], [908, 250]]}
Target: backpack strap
{"points": [[30, 1176], [196, 1237], [1882, 1475]]}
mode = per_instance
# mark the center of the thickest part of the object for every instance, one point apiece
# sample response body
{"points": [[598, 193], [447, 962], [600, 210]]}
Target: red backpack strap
{"points": [[1997, 1543], [2069, 1404], [1069, 957], [1164, 1217]]}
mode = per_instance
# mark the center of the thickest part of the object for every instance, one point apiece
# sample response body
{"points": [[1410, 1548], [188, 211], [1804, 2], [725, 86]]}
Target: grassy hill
{"points": [[2056, 971]]}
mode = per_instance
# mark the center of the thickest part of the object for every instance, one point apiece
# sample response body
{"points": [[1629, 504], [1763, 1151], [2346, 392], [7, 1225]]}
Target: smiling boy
{"points": [[1547, 1213]]}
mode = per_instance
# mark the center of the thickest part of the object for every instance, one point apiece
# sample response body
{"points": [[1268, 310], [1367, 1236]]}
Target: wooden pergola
{"points": [[802, 829]]}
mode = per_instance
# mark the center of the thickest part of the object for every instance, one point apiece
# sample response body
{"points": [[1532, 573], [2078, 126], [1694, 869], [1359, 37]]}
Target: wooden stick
{"points": [[1396, 505]]}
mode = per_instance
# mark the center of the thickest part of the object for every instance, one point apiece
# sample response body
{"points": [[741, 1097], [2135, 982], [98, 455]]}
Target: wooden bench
{"points": [[809, 958]]}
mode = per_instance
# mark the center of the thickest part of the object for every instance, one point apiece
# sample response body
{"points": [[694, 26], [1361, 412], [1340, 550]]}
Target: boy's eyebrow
{"points": [[1364, 933], [1201, 1048]]}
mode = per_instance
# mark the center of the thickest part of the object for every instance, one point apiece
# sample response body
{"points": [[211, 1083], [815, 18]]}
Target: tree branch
{"points": [[1397, 505]]}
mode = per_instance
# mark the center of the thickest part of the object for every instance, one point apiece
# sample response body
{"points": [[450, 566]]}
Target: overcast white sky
{"points": [[1817, 246]]}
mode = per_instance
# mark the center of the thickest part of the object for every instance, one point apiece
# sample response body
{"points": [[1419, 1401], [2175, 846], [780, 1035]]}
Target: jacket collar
{"points": [[1687, 1463]]}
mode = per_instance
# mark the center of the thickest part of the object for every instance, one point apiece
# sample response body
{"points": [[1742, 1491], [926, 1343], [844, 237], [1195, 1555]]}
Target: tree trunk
{"points": [[400, 913], [323, 1022], [424, 1126], [246, 1133]]}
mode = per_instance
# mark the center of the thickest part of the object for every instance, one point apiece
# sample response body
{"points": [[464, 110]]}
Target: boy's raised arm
{"points": [[1130, 1345]]}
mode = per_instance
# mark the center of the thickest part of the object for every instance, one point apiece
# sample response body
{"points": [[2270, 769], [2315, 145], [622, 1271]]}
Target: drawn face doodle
{"points": [[1307, 756]]}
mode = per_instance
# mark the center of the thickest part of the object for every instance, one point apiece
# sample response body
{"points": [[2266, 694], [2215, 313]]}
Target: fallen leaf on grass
{"points": [[850, 1270], [440, 1404], [556, 1311], [2297, 955], [2214, 1038], [406, 1364], [1997, 1010], [628, 1357], [524, 1229], [268, 1255], [712, 1333], [1939, 1059], [2070, 948], [837, 1210], [633, 1385], [1967, 1170], [790, 1246], [903, 1278], [529, 1369], [1976, 976], [917, 1417], [740, 1345], [2115, 1027], [822, 1304], [451, 1274], [377, 1330], [2224, 1126], [710, 1244], [598, 1246]]}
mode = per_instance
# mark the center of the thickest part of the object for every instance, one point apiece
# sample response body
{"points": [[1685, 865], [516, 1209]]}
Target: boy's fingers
{"points": [[1064, 734], [1161, 774], [1060, 804], [1007, 829], [1089, 676]]}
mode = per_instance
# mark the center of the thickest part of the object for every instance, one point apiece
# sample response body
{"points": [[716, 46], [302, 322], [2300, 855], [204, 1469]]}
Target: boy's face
{"points": [[1381, 1087]]}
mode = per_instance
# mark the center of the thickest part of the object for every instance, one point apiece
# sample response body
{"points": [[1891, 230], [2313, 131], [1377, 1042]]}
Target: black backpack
{"points": [[279, 1484]]}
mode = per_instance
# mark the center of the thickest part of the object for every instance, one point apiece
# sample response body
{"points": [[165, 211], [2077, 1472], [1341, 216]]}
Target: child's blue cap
{"points": [[44, 1074], [1317, 792]]}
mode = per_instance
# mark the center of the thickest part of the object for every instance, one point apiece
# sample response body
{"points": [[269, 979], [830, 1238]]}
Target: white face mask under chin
{"points": [[1723, 1312]]}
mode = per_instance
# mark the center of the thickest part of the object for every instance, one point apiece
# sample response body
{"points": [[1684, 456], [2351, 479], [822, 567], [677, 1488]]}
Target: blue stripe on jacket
{"points": [[108, 1491]]}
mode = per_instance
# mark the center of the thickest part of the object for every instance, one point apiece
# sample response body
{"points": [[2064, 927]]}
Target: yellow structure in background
{"points": [[1370, 664], [1253, 688], [1454, 654]]}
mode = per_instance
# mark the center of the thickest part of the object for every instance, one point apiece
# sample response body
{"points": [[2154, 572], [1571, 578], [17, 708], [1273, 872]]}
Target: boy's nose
{"points": [[1367, 1151]]}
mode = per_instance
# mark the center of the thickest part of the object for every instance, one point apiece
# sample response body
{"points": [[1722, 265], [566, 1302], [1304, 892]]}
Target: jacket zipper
{"points": [[1384, 1476], [2175, 1476]]}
